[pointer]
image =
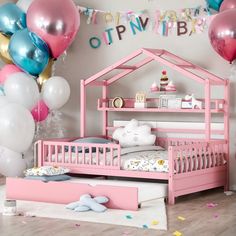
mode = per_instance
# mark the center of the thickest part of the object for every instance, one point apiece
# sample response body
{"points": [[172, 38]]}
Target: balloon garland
{"points": [[33, 34]]}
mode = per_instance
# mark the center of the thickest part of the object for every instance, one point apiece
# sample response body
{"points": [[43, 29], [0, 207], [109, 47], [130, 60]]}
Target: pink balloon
{"points": [[227, 4], [8, 70], [55, 21], [40, 111], [222, 34]]}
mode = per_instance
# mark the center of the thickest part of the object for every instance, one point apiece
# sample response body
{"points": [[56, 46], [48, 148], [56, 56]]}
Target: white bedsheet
{"points": [[146, 190]]}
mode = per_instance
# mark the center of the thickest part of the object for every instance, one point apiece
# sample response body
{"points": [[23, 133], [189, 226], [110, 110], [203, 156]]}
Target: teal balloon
{"points": [[29, 52], [214, 4], [12, 18]]}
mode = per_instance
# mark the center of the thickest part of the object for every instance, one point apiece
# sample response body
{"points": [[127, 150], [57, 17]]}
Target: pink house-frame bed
{"points": [[212, 154]]}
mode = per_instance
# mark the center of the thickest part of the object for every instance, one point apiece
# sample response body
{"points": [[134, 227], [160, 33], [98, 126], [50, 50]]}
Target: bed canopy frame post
{"points": [[207, 110], [82, 108], [105, 113], [226, 127]]}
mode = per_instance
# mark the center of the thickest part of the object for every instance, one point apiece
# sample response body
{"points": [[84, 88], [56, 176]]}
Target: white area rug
{"points": [[151, 215]]}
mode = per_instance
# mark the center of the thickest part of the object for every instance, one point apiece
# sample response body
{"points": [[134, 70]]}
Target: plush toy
{"points": [[134, 135], [195, 103], [87, 203]]}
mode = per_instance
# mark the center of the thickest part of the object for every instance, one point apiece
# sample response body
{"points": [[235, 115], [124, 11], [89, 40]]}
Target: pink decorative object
{"points": [[227, 4], [154, 88], [211, 205], [55, 21], [8, 70], [171, 87], [164, 81], [40, 111], [222, 34]]}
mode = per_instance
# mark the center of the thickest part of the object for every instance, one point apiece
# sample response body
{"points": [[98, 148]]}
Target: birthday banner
{"points": [[186, 21]]}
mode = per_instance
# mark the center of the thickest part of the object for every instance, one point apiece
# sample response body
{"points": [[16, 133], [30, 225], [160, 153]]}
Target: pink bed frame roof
{"points": [[162, 56]]}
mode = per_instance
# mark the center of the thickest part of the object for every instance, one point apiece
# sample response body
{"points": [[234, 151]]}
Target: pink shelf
{"points": [[158, 110], [106, 105]]}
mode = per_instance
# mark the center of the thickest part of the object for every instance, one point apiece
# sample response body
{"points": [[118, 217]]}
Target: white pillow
{"points": [[46, 170], [134, 135], [128, 150]]}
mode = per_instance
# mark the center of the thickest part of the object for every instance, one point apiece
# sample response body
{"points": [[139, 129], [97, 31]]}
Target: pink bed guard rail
{"points": [[188, 155]]}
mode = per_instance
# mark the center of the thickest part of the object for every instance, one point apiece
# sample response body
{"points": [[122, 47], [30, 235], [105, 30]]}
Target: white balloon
{"points": [[24, 4], [3, 101], [29, 157], [22, 89], [56, 92], [11, 163], [17, 127]]}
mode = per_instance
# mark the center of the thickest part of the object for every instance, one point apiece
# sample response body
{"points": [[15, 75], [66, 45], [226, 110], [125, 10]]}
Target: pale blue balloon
{"points": [[29, 52], [12, 18], [2, 91]]}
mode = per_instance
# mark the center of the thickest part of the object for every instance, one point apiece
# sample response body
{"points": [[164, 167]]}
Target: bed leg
{"points": [[171, 200], [226, 187], [171, 196]]}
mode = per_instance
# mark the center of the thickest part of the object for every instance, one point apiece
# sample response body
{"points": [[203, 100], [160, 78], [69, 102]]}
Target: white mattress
{"points": [[146, 190]]}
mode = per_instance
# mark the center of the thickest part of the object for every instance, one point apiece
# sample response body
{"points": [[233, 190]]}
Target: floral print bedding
{"points": [[146, 161]]}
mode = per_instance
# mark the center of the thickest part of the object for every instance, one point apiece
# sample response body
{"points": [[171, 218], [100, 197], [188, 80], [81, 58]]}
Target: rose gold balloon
{"points": [[55, 21], [222, 34], [227, 4]]}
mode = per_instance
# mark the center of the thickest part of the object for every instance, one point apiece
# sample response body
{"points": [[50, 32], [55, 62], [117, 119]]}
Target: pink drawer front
{"points": [[121, 197]]}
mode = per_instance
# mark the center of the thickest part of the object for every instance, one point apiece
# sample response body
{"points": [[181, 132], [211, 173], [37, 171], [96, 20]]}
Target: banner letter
{"points": [[120, 29], [136, 26], [181, 25], [144, 24], [95, 42]]}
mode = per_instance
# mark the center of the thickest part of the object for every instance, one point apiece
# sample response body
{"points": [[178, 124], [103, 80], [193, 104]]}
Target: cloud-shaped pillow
{"points": [[134, 135]]}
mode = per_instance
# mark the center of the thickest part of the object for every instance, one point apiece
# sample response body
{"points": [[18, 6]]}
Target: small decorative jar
{"points": [[9, 208]]}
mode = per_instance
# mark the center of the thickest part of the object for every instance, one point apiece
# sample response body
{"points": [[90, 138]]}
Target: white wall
{"points": [[82, 61]]}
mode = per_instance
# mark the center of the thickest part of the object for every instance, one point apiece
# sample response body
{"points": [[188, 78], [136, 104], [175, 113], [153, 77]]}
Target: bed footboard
{"points": [[196, 167]]}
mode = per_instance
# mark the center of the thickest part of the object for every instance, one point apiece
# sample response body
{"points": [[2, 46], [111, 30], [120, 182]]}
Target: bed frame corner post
{"points": [[105, 113], [226, 129], [207, 110], [82, 108], [40, 154], [171, 193]]}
